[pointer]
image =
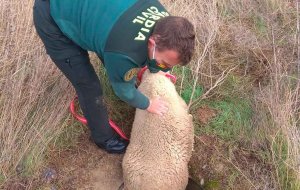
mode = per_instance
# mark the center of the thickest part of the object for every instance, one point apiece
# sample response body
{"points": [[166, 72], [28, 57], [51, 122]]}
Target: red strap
{"points": [[118, 130], [171, 77], [73, 111], [142, 70], [84, 121]]}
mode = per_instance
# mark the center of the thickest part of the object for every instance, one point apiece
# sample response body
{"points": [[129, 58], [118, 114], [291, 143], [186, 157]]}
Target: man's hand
{"points": [[157, 106]]}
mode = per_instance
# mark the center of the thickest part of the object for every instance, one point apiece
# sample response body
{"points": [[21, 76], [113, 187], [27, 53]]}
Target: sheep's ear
{"points": [[191, 117]]}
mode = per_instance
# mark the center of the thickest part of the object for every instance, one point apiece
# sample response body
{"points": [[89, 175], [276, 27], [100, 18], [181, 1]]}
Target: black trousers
{"points": [[74, 63]]}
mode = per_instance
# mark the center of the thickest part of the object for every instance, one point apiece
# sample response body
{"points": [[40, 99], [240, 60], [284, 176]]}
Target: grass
{"points": [[28, 164], [234, 111], [188, 89], [281, 155], [260, 25], [69, 135], [286, 173], [258, 43], [245, 66], [184, 87], [233, 119], [212, 184]]}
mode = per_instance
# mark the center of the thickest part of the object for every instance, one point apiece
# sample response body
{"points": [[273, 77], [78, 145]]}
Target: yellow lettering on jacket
{"points": [[147, 20], [140, 36]]}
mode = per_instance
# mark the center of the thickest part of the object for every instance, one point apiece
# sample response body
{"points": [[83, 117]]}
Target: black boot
{"points": [[115, 145]]}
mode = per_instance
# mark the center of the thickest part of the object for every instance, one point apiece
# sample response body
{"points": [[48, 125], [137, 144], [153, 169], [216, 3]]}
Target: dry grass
{"points": [[258, 40], [33, 95], [281, 100]]}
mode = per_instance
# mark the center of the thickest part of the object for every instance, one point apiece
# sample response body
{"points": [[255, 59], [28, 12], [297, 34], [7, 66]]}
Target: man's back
{"points": [[88, 22]]}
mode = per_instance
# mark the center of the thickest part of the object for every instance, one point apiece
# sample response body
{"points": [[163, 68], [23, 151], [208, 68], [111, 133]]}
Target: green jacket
{"points": [[118, 31]]}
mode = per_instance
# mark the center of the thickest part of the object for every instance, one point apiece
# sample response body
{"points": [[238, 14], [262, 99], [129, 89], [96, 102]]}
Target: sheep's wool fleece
{"points": [[160, 146]]}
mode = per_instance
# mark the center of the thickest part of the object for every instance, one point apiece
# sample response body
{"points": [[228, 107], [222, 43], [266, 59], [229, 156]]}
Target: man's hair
{"points": [[175, 33]]}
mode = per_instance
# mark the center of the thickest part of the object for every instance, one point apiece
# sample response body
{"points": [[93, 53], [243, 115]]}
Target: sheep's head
{"points": [[157, 84], [156, 81]]}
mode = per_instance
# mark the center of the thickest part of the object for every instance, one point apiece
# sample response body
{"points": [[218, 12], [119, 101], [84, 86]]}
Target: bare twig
{"points": [[217, 83], [199, 63], [298, 37], [182, 79], [209, 29]]}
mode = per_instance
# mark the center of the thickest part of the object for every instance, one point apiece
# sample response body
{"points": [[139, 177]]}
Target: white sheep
{"points": [[160, 146]]}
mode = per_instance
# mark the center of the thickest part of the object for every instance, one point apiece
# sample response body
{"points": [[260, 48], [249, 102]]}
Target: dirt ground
{"points": [[85, 166]]}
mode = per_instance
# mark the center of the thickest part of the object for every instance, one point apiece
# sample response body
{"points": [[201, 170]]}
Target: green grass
{"points": [[28, 164], [234, 111], [33, 160], [187, 92], [69, 135], [212, 184], [232, 178], [2, 179], [260, 25], [286, 174], [235, 86], [233, 120], [187, 87]]}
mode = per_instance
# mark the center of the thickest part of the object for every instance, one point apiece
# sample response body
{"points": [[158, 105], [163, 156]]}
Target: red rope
{"points": [[82, 120], [142, 70]]}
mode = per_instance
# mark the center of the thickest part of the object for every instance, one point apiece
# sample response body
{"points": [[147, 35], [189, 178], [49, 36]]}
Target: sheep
{"points": [[160, 146]]}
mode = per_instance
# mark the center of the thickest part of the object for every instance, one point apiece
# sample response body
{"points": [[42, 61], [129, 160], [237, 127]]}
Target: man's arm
{"points": [[122, 75], [128, 93]]}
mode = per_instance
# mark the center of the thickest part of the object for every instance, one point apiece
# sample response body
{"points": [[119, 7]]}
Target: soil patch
{"points": [[205, 114], [84, 166], [214, 165]]}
